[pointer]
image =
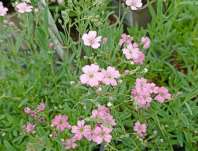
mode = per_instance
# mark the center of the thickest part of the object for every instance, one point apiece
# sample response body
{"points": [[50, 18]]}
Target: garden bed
{"points": [[73, 78]]}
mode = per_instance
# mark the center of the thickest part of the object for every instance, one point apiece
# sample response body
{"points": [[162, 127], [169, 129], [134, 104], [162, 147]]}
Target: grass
{"points": [[33, 74]]}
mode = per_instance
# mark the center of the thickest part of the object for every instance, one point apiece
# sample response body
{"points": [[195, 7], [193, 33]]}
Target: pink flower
{"points": [[61, 122], [92, 75], [23, 7], [29, 128], [152, 88], [91, 39], [70, 143], [162, 95], [146, 42], [41, 107], [140, 129], [82, 130], [3, 10], [134, 4], [134, 54], [142, 100], [102, 115], [27, 110], [125, 39], [142, 86], [110, 76], [142, 92], [135, 45], [102, 134], [30, 112], [137, 56]]}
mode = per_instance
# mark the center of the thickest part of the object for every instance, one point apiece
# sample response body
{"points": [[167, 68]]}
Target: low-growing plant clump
{"points": [[106, 88]]}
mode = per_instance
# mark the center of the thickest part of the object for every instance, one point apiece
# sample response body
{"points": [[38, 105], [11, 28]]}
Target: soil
{"points": [[8, 4], [177, 64]]}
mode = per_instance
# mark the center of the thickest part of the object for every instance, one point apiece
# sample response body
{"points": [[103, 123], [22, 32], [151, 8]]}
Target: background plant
{"points": [[30, 75]]}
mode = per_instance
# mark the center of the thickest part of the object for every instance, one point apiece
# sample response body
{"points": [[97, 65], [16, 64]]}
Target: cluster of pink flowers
{"points": [[133, 53], [131, 49], [91, 39], [93, 75], [33, 113], [140, 129], [29, 127], [81, 130], [105, 122], [3, 10], [70, 143], [102, 115], [100, 133], [61, 122], [145, 91], [125, 39], [22, 7], [134, 4]]}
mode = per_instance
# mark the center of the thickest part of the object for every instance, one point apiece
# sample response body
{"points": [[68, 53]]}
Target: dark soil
{"points": [[7, 3]]}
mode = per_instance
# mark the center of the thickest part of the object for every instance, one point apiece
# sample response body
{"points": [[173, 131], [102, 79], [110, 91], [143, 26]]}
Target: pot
{"points": [[140, 17]]}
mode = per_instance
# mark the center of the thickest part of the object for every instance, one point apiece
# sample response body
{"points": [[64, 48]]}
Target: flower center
{"points": [[81, 129], [91, 75]]}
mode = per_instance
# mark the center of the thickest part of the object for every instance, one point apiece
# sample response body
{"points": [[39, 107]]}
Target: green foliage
{"points": [[31, 73]]}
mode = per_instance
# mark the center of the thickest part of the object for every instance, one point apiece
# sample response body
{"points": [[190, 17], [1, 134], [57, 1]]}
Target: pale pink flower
{"points": [[125, 39], [61, 122], [29, 128], [110, 76], [134, 4], [70, 143], [162, 94], [152, 88], [92, 75], [142, 86], [135, 45], [33, 114], [27, 110], [146, 42], [3, 10], [142, 100], [23, 7], [30, 112], [102, 134], [82, 130], [41, 107], [142, 92], [140, 129], [102, 115], [134, 54], [137, 56], [91, 39]]}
